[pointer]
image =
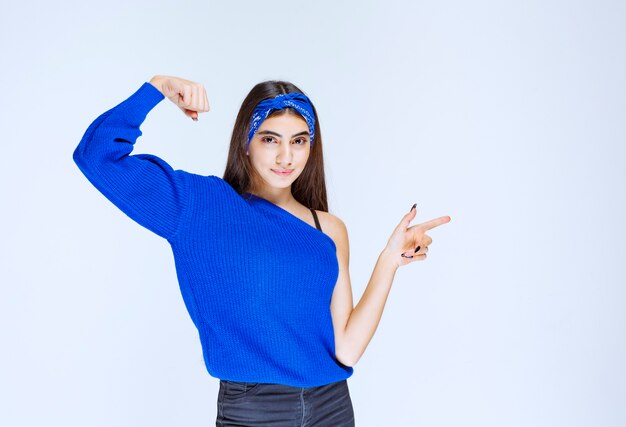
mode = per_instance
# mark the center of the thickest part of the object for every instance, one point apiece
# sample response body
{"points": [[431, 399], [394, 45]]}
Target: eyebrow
{"points": [[269, 132]]}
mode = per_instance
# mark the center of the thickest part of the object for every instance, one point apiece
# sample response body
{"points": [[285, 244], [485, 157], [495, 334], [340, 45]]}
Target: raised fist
{"points": [[189, 96]]}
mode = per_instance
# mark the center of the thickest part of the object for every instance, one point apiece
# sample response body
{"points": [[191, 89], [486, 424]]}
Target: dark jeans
{"points": [[276, 405]]}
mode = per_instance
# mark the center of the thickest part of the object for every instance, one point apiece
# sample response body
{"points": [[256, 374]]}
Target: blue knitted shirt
{"points": [[256, 280]]}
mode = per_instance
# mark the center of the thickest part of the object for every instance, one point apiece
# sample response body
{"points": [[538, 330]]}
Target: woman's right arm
{"points": [[143, 186]]}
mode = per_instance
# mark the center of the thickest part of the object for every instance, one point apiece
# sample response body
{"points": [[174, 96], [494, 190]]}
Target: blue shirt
{"points": [[256, 280]]}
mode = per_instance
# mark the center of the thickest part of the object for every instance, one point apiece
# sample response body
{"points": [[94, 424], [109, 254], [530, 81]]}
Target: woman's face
{"points": [[281, 143]]}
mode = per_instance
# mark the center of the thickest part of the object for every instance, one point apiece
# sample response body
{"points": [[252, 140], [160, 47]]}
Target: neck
{"points": [[278, 196]]}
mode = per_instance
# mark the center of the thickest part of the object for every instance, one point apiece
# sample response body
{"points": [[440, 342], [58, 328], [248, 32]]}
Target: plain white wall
{"points": [[508, 116]]}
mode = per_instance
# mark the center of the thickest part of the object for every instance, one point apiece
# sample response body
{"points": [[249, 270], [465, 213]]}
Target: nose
{"points": [[285, 155]]}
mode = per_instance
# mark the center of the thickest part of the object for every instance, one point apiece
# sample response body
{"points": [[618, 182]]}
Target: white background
{"points": [[506, 115]]}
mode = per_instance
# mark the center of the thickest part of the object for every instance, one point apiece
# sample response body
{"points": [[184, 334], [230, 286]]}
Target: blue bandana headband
{"points": [[296, 100]]}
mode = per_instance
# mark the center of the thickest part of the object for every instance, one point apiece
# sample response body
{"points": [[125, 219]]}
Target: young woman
{"points": [[261, 263]]}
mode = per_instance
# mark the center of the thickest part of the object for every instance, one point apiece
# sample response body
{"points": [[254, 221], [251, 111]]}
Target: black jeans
{"points": [[261, 404]]}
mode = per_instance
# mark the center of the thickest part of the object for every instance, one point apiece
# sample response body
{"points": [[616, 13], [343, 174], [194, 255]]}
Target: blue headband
{"points": [[296, 100]]}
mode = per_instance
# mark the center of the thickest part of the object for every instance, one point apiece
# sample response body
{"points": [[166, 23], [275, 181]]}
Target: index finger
{"points": [[435, 222]]}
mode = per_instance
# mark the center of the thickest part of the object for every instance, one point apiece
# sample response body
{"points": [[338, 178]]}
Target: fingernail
{"points": [[417, 249], [195, 119], [413, 207], [410, 256]]}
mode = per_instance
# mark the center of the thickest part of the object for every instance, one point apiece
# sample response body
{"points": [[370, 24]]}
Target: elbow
{"points": [[345, 350], [82, 159], [345, 362], [345, 358], [78, 157]]}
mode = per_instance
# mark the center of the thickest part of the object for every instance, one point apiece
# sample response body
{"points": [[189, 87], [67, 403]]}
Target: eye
{"points": [[303, 141], [265, 139]]}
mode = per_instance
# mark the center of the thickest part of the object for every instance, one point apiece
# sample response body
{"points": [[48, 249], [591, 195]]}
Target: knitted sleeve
{"points": [[145, 187]]}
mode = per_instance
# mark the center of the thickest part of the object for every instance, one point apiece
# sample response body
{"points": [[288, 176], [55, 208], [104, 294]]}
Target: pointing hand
{"points": [[411, 243]]}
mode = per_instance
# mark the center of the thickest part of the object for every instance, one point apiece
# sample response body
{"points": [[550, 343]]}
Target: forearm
{"points": [[366, 315]]}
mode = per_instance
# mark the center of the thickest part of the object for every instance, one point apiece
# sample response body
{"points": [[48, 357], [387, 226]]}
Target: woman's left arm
{"points": [[355, 327]]}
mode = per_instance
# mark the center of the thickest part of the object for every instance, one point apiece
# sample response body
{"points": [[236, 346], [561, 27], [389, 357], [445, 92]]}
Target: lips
{"points": [[282, 172]]}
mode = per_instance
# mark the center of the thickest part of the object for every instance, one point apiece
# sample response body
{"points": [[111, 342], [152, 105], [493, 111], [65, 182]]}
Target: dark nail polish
{"points": [[417, 249], [410, 256], [413, 207]]}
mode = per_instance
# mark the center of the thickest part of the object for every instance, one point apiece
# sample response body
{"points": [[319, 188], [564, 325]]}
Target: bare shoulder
{"points": [[334, 227]]}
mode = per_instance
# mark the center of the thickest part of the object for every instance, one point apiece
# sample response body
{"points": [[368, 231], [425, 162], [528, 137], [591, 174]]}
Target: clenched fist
{"points": [[187, 95]]}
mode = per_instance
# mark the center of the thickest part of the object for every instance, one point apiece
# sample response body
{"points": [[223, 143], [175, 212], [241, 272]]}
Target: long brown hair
{"points": [[310, 187]]}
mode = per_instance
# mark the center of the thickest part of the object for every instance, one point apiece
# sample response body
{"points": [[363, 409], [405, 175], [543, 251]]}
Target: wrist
{"points": [[157, 81], [389, 258]]}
